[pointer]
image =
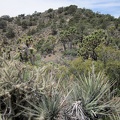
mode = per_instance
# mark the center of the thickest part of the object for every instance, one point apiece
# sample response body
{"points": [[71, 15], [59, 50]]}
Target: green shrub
{"points": [[3, 24], [10, 33], [31, 32], [113, 72], [60, 10], [81, 66], [72, 52], [70, 9], [50, 10], [24, 24]]}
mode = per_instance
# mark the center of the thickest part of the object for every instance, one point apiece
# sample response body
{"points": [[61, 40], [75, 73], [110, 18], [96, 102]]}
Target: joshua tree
{"points": [[90, 43]]}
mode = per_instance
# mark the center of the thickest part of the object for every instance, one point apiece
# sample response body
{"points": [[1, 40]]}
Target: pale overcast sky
{"points": [[16, 7]]}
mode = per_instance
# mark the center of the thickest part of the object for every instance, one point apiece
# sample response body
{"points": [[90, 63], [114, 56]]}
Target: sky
{"points": [[16, 7]]}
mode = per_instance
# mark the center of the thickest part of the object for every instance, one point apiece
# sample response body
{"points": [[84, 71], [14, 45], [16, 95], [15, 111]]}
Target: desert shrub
{"points": [[46, 46], [40, 25], [24, 24], [3, 24], [39, 44], [50, 10], [18, 21], [72, 52], [107, 54], [81, 66], [113, 72], [7, 18], [70, 9], [31, 32], [10, 33], [60, 10]]}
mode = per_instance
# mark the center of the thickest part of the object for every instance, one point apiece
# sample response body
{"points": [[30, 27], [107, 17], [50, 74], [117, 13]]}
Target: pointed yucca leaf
{"points": [[58, 83], [50, 106], [32, 109], [114, 117], [0, 117], [94, 91], [61, 104]]}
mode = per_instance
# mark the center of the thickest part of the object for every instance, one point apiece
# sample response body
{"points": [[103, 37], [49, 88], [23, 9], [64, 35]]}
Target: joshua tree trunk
{"points": [[64, 46], [94, 55], [70, 45]]}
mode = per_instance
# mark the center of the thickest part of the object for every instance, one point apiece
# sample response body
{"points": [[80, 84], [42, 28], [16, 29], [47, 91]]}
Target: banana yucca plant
{"points": [[92, 98], [47, 108]]}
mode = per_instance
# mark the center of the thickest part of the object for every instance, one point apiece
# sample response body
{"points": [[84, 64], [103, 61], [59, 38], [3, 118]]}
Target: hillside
{"points": [[61, 64], [41, 27]]}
